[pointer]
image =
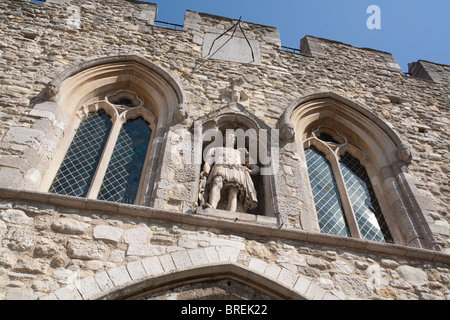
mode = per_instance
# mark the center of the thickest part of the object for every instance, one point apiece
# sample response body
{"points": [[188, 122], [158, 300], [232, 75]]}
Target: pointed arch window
{"points": [[344, 197], [109, 150]]}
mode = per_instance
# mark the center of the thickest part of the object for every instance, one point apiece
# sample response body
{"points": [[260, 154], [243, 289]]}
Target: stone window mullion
{"points": [[345, 199]]}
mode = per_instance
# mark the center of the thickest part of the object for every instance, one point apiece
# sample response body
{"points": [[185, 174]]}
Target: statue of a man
{"points": [[231, 169]]}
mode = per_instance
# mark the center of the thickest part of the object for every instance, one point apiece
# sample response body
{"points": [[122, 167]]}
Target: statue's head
{"points": [[404, 153], [230, 139]]}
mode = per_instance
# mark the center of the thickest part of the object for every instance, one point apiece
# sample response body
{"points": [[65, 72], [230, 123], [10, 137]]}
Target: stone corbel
{"points": [[181, 114], [51, 91], [404, 153], [287, 132]]}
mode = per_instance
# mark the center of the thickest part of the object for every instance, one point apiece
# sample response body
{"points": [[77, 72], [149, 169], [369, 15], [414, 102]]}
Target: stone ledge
{"points": [[250, 227], [236, 216]]}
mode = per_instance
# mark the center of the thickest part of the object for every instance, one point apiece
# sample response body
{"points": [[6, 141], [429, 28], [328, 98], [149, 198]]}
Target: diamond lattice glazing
{"points": [[364, 202], [326, 195], [122, 177], [78, 168]]}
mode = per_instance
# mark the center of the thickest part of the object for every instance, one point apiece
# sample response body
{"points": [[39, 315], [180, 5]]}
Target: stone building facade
{"points": [[64, 61]]}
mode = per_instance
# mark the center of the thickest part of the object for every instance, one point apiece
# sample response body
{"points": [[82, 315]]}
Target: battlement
{"points": [[235, 40], [430, 71]]}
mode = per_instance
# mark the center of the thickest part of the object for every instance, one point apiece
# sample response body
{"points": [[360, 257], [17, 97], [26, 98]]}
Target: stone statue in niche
{"points": [[227, 173]]}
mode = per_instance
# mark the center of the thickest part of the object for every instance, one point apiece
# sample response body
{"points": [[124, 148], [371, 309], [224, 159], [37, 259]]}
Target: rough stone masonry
{"points": [[60, 247]]}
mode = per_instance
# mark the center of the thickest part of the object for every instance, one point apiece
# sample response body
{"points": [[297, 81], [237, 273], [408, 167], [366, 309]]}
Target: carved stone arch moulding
{"points": [[124, 87], [379, 149], [145, 279], [79, 83]]}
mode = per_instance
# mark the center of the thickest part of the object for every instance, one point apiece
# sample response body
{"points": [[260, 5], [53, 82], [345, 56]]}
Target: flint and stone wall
{"points": [[57, 247]]}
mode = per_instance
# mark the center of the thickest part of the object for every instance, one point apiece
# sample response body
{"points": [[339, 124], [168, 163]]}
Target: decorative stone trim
{"points": [[252, 228]]}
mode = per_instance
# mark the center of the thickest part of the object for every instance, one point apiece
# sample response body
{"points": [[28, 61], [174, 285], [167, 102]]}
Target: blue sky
{"points": [[410, 30]]}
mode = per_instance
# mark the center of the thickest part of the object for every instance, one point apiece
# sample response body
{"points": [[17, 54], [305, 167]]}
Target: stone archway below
{"points": [[218, 281], [207, 290]]}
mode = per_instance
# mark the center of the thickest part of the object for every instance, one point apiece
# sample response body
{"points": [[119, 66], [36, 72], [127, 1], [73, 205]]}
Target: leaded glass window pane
{"points": [[122, 177], [364, 202], [326, 194], [78, 168]]}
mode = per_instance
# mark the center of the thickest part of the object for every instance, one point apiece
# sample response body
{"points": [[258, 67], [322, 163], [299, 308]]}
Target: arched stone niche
{"points": [[259, 141]]}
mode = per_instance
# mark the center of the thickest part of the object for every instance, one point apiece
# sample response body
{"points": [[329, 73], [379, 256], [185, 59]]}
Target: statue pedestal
{"points": [[236, 216]]}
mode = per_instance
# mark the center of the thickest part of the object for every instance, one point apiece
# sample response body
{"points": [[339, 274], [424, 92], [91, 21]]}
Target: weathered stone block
{"points": [[414, 276], [153, 266], [257, 265], [79, 249], [272, 271], [68, 293], [145, 250], [46, 110], [227, 253], [234, 49], [137, 235], [119, 276], [187, 243], [65, 276], [10, 178], [22, 135], [230, 243], [147, 13], [315, 292], [108, 233], [198, 257], [103, 281], [211, 255], [19, 239], [87, 287], [287, 277], [167, 263], [20, 294], [136, 270], [181, 260], [302, 285], [17, 217], [70, 226], [7, 259]]}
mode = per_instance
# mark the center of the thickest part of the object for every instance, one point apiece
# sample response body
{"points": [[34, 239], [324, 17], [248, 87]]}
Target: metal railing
{"points": [[290, 49], [169, 25]]}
